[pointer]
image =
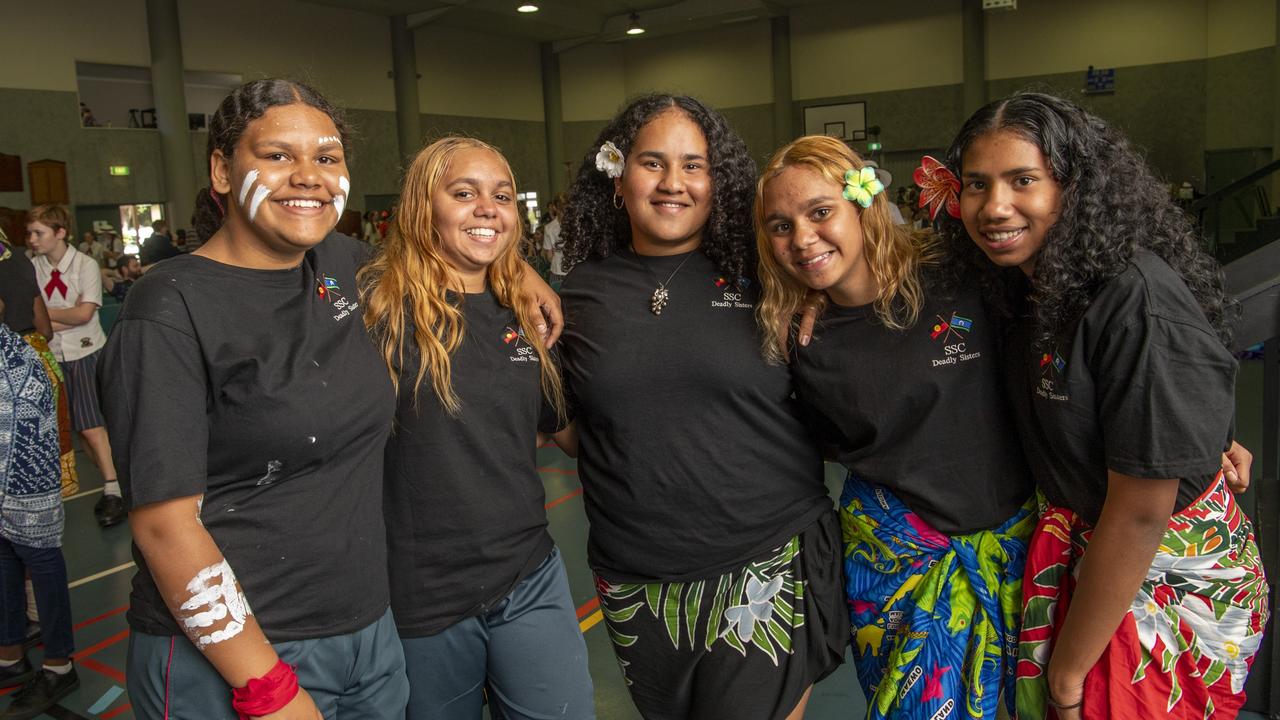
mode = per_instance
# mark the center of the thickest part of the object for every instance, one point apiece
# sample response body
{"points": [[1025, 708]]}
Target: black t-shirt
{"points": [[692, 449], [261, 391], [18, 290], [920, 411], [1141, 385], [463, 498]]}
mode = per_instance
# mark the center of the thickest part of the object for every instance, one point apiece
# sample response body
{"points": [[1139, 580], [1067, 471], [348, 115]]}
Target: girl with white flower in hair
{"points": [[713, 541], [1145, 596], [936, 508]]}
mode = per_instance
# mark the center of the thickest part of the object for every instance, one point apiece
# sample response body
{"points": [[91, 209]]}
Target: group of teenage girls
{"points": [[1060, 329]]}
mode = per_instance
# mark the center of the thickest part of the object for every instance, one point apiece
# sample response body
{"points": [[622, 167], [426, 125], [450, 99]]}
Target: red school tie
{"points": [[55, 283]]}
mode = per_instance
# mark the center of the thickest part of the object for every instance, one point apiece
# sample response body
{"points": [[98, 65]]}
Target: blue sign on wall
{"points": [[1098, 80]]}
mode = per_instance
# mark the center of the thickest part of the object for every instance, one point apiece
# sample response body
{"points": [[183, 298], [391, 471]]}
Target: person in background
{"points": [[92, 246], [72, 286], [159, 246], [31, 534], [551, 245], [117, 281]]}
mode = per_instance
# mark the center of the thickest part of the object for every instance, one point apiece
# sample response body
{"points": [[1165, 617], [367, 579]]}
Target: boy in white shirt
{"points": [[71, 285]]}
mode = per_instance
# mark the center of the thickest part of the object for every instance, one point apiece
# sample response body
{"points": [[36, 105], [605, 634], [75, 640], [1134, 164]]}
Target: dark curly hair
{"points": [[245, 104], [592, 227], [1112, 204]]}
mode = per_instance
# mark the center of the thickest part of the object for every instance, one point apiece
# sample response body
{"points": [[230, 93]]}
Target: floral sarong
{"points": [[935, 617], [66, 453], [1185, 647]]}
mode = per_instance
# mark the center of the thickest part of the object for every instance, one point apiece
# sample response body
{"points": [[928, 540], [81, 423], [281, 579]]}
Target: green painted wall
{"points": [[1239, 96], [1173, 111]]}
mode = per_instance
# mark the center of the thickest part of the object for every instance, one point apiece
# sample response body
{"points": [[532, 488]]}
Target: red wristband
{"points": [[267, 694]]}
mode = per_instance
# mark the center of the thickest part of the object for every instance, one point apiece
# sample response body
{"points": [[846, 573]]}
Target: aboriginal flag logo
{"points": [[513, 337], [947, 330], [1052, 362], [722, 282]]}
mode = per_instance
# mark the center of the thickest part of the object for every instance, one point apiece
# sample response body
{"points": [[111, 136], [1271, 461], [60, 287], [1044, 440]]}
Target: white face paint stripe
{"points": [[258, 196], [223, 600], [330, 139], [340, 201], [248, 182]]}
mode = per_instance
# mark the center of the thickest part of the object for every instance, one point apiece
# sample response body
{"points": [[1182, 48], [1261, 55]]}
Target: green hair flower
{"points": [[861, 186]]}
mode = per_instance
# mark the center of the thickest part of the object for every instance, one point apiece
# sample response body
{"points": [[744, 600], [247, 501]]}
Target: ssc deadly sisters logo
{"points": [[733, 294], [329, 291], [952, 333], [518, 346], [1053, 369]]}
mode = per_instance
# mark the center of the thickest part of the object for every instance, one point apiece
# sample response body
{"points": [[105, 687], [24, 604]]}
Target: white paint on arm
{"points": [[215, 598], [249, 179]]}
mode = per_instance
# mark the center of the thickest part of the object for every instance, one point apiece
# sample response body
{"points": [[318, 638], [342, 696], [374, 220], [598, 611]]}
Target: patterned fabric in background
{"points": [[1185, 647], [31, 511], [935, 617], [70, 478]]}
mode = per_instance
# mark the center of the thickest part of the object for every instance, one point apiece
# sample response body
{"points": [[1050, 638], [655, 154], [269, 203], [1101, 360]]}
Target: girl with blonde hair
{"points": [[902, 380], [463, 498]]}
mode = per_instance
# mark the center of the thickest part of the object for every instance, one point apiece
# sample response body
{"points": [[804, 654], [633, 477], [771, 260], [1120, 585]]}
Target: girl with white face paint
{"points": [[251, 411]]}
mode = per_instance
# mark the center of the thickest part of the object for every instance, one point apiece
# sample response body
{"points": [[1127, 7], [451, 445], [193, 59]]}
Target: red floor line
{"points": [[101, 617], [562, 499], [562, 471], [104, 644], [101, 668], [112, 713], [588, 607]]}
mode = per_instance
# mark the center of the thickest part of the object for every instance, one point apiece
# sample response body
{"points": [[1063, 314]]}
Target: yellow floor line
{"points": [[591, 620]]}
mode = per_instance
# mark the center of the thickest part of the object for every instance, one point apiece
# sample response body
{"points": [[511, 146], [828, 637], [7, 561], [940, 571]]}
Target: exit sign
{"points": [[118, 170], [999, 4]]}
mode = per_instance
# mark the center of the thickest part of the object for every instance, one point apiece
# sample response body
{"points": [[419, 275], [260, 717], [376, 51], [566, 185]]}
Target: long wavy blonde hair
{"points": [[894, 252], [409, 277]]}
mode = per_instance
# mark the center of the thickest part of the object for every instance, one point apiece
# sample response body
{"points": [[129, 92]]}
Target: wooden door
{"points": [[48, 180]]}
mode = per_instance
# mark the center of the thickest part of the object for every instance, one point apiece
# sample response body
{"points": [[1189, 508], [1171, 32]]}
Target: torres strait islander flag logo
{"points": [[327, 288], [953, 332], [1052, 361], [952, 329]]}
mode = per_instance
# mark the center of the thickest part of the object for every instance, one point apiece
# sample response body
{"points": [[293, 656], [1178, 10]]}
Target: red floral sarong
{"points": [[1185, 647]]}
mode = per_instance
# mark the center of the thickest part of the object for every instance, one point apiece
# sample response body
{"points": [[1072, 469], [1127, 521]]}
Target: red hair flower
{"points": [[939, 187]]}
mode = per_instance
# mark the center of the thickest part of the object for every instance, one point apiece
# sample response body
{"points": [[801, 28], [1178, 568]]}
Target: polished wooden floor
{"points": [[100, 567]]}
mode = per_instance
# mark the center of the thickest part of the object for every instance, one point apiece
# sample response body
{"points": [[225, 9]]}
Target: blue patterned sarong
{"points": [[31, 511], [935, 617]]}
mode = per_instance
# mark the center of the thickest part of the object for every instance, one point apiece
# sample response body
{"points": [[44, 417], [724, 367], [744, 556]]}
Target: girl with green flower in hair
{"points": [[902, 376]]}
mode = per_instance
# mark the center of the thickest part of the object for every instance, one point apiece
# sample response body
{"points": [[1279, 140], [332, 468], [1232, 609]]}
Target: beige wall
{"points": [[592, 81], [1240, 25], [836, 51], [466, 73], [726, 67], [343, 53], [1043, 37], [41, 44]]}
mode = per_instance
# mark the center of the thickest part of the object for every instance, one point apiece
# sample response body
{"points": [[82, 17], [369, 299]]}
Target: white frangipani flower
{"points": [[610, 160]]}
